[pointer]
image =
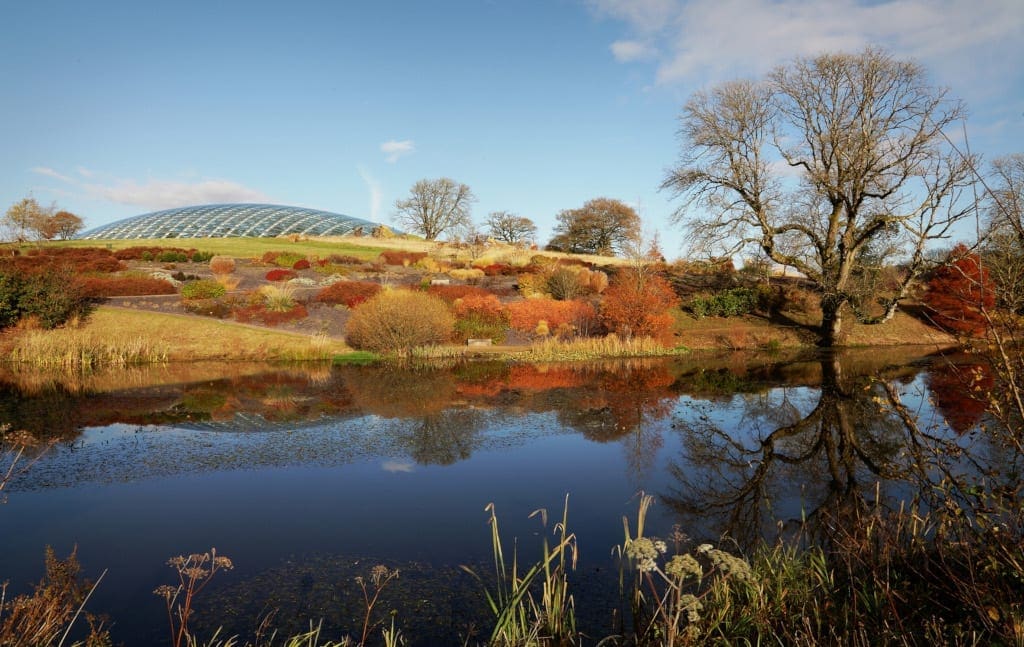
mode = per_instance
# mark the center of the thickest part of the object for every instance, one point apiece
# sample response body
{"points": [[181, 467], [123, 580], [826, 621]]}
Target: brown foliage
{"points": [[222, 265], [399, 257], [259, 312]]}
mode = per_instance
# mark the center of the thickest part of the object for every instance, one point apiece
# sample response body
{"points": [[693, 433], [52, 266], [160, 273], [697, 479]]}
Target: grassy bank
{"points": [[121, 337]]}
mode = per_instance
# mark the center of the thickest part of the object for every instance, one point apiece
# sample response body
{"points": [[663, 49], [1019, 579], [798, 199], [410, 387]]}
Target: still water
{"points": [[308, 476]]}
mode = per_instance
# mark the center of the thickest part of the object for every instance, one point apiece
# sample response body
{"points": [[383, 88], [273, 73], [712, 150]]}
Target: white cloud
{"points": [[394, 149], [84, 172], [158, 194], [398, 466], [376, 193], [702, 41], [631, 50]]}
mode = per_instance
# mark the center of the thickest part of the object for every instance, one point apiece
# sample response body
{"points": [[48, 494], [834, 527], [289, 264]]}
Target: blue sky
{"points": [[112, 109]]}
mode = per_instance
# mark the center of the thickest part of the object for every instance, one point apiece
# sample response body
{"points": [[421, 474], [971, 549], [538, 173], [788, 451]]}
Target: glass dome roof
{"points": [[225, 220]]}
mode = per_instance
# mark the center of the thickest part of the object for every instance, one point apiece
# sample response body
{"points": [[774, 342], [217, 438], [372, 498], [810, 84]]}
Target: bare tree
{"points": [[1006, 195], [510, 228], [601, 226], [434, 207], [823, 164]]}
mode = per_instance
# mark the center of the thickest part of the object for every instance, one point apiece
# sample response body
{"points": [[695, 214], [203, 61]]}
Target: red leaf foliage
{"points": [[960, 292], [280, 275]]}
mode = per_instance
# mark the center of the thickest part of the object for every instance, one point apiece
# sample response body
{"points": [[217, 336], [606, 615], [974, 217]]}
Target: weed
{"points": [[194, 573]]}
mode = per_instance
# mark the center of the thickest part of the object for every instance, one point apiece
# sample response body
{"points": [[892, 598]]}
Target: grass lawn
{"points": [[243, 247]]}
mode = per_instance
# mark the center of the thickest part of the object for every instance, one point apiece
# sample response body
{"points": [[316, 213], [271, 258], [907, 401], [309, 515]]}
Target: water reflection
{"points": [[361, 462]]}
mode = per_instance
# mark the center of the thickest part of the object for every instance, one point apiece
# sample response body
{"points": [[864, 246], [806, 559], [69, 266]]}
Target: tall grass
{"points": [[588, 348], [71, 348]]}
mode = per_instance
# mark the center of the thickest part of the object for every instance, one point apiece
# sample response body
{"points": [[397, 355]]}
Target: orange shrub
{"points": [[451, 293], [636, 304], [576, 315], [222, 265], [398, 257], [348, 293]]}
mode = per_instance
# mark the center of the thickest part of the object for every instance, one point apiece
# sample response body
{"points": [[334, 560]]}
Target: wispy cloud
{"points": [[393, 149], [632, 50], [376, 193], [700, 41], [157, 194]]}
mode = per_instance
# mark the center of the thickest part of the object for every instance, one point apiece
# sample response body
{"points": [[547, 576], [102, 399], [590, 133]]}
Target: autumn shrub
{"points": [[215, 308], [280, 274], [269, 258], [559, 316], [470, 275], [399, 257], [396, 321], [348, 293], [52, 297], [480, 317], [301, 264], [124, 286], [565, 284], [137, 253], [202, 289], [960, 292], [637, 304], [451, 293], [342, 259], [222, 265], [498, 269]]}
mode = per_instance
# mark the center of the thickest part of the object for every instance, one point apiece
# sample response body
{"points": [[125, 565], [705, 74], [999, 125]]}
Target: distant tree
{"points": [[863, 134], [25, 218], [601, 226], [510, 228], [1006, 195], [64, 224], [434, 207], [960, 293]]}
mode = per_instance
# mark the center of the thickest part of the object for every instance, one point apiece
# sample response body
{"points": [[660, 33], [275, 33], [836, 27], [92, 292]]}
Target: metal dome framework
{"points": [[230, 220]]}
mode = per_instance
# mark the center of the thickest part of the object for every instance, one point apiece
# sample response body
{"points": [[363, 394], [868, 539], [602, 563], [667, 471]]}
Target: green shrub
{"points": [[201, 257], [730, 303], [202, 289], [10, 295], [54, 297], [397, 321], [172, 257], [288, 259]]}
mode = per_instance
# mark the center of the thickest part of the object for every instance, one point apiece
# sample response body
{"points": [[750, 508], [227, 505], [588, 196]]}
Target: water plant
{"points": [[195, 572], [520, 618]]}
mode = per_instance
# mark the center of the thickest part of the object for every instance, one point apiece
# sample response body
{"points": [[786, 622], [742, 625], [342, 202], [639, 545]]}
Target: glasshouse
{"points": [[224, 220]]}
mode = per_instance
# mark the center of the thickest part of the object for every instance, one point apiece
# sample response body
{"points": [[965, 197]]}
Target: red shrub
{"points": [[124, 286], [960, 292], [451, 293], [280, 275], [301, 264], [349, 293], [525, 315], [397, 257], [79, 259], [636, 304], [498, 269]]}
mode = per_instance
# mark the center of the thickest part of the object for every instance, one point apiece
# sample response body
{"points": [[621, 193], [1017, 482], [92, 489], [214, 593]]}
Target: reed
{"points": [[589, 348], [71, 348]]}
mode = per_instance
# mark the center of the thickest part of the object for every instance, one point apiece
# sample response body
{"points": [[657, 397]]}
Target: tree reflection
{"points": [[443, 438], [799, 457]]}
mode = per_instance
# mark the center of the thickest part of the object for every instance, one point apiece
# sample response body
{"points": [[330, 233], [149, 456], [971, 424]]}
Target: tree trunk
{"points": [[831, 320]]}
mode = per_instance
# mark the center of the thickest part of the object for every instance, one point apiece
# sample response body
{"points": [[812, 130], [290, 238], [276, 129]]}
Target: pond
{"points": [[307, 476]]}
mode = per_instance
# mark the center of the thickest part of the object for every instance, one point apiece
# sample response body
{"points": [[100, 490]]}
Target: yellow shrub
{"points": [[397, 321], [466, 275]]}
